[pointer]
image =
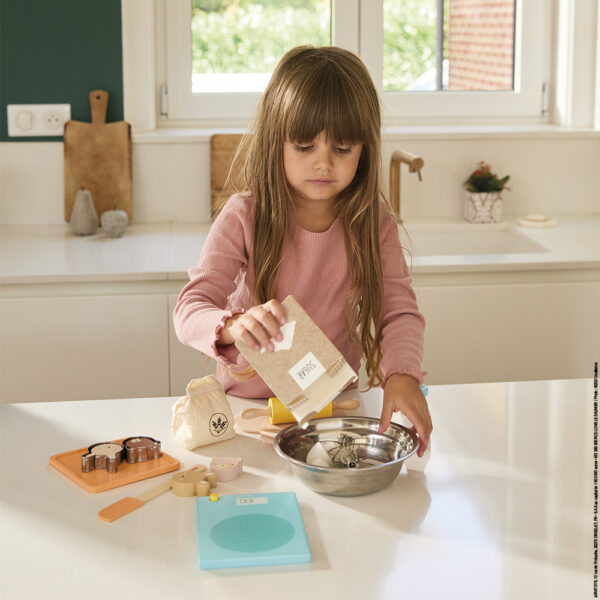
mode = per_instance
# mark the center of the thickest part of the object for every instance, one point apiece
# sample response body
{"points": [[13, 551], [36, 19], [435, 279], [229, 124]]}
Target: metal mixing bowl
{"points": [[380, 456]]}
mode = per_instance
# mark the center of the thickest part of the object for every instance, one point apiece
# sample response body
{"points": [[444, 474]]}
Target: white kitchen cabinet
{"points": [[185, 363], [510, 332], [56, 348], [90, 318], [124, 345]]}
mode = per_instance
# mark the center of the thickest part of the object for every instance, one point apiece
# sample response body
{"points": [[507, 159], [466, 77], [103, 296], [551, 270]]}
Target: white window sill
{"points": [[195, 135]]}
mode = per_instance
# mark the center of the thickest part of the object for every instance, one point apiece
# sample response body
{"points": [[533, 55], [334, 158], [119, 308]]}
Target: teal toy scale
{"points": [[250, 530]]}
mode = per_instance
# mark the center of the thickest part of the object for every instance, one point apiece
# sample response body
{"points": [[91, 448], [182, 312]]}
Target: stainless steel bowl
{"points": [[380, 456]]}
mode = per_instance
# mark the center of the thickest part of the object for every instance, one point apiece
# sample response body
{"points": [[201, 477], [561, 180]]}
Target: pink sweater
{"points": [[313, 270]]}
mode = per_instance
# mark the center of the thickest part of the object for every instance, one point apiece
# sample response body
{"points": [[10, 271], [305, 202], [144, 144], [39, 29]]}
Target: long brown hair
{"points": [[312, 90]]}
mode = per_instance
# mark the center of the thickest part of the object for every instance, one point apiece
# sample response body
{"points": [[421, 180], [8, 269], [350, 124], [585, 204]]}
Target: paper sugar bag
{"points": [[306, 371]]}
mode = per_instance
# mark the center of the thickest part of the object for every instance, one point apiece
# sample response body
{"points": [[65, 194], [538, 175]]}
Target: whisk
{"points": [[344, 453]]}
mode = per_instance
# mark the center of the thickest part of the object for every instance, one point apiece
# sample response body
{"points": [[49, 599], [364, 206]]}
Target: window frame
{"points": [[358, 26]]}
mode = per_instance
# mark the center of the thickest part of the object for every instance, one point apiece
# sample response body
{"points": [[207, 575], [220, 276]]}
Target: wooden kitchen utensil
{"points": [[222, 150], [278, 413], [98, 159], [126, 505], [253, 425]]}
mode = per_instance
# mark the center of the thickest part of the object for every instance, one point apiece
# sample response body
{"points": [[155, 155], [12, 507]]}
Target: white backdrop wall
{"points": [[550, 173]]}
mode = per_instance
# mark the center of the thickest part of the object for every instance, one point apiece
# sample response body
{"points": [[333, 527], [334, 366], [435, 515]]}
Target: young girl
{"points": [[311, 221]]}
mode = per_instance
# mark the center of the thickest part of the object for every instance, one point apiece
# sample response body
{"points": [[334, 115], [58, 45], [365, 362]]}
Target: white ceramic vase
{"points": [[482, 207]]}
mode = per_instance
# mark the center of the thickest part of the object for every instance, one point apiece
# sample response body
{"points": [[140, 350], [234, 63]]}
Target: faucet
{"points": [[415, 163]]}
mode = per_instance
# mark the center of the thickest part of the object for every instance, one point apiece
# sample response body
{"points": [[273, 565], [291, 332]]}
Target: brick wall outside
{"points": [[480, 44]]}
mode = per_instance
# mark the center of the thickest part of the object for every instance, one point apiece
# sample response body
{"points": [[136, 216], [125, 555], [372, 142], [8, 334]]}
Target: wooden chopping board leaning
{"points": [[98, 159], [223, 147]]}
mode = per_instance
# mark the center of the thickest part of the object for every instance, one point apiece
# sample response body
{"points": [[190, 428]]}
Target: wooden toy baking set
{"points": [[107, 465], [305, 371], [197, 481]]}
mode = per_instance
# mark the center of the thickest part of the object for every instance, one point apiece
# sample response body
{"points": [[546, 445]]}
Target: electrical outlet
{"points": [[37, 120]]}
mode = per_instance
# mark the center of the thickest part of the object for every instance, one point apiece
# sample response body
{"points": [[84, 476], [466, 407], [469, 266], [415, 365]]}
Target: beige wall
{"points": [[550, 173]]}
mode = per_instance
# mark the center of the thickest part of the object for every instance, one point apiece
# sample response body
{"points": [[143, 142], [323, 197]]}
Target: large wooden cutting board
{"points": [[222, 150], [98, 159]]}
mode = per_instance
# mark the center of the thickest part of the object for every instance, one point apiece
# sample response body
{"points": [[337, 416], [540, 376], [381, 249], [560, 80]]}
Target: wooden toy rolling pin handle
{"points": [[252, 413]]}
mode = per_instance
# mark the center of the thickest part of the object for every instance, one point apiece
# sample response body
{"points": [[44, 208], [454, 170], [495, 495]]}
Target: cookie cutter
{"points": [[141, 448], [109, 455], [103, 455]]}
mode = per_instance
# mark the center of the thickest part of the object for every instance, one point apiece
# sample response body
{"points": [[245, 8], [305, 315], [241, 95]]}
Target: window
{"points": [[237, 43], [435, 45], [433, 60]]}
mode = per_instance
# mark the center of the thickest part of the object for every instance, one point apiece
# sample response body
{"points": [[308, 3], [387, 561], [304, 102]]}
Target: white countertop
{"points": [[51, 253], [503, 509], [574, 243]]}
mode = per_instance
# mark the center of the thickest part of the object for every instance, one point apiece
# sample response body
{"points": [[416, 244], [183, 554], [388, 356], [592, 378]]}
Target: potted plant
{"points": [[482, 196]]}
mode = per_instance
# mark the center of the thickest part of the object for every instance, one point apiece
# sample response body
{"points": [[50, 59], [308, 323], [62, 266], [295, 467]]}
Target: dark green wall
{"points": [[56, 52]]}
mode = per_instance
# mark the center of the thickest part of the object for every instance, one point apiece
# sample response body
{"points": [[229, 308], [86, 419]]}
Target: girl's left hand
{"points": [[403, 393]]}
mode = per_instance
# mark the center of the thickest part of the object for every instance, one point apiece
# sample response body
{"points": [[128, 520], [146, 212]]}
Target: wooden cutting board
{"points": [[98, 159], [222, 150]]}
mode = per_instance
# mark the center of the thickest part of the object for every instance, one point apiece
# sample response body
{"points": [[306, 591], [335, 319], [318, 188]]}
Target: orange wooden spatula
{"points": [[128, 504]]}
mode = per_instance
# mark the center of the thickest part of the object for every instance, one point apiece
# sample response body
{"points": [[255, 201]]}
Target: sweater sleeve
{"points": [[201, 310], [403, 326]]}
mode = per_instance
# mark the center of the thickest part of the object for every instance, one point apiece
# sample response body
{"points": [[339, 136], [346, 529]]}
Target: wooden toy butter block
{"points": [[306, 371]]}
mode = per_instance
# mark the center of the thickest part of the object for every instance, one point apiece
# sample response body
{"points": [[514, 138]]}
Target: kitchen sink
{"points": [[422, 241]]}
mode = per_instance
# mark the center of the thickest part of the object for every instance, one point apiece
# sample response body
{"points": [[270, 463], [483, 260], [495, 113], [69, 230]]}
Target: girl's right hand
{"points": [[256, 327]]}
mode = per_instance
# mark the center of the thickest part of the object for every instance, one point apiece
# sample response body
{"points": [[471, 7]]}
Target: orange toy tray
{"points": [[69, 464]]}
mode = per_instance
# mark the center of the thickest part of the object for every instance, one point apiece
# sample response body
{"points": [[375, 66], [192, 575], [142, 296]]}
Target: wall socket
{"points": [[36, 120]]}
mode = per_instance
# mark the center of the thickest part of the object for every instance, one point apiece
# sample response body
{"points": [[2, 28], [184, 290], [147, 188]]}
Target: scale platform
{"points": [[250, 530]]}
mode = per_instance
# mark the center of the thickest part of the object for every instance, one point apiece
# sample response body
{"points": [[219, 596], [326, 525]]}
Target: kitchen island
{"points": [[501, 509]]}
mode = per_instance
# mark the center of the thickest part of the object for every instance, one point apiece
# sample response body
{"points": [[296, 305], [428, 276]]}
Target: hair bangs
{"points": [[326, 101]]}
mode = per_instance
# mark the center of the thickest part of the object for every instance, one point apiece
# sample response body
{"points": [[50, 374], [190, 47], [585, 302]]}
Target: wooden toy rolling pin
{"points": [[278, 413]]}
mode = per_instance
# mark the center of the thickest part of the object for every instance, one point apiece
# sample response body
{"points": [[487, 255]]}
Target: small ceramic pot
{"points": [[482, 207]]}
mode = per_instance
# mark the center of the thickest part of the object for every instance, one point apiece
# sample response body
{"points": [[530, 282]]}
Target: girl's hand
{"points": [[256, 327], [403, 393]]}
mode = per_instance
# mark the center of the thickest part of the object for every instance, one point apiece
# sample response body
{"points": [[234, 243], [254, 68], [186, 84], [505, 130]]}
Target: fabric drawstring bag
{"points": [[203, 416]]}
